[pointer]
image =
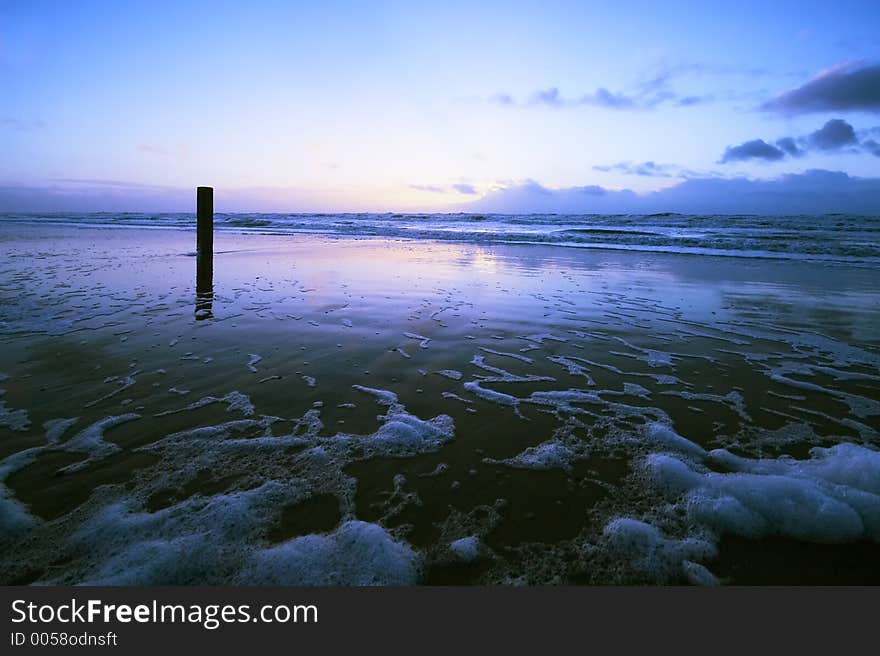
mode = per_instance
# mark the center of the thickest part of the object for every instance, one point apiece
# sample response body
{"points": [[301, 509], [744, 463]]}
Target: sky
{"points": [[445, 106]]}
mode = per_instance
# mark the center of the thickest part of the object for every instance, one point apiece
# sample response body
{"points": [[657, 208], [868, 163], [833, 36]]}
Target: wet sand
{"points": [[360, 411]]}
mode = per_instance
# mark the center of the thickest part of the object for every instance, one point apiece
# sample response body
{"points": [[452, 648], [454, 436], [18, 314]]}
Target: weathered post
{"points": [[205, 224], [204, 252]]}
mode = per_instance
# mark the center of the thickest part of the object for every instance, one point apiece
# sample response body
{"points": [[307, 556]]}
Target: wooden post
{"points": [[204, 252], [205, 224]]}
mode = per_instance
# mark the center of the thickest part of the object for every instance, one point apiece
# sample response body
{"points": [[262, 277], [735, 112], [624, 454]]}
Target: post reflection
{"points": [[204, 289]]}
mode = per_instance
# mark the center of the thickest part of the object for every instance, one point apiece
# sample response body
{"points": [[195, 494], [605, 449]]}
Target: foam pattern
{"points": [[656, 558], [466, 549], [833, 497]]}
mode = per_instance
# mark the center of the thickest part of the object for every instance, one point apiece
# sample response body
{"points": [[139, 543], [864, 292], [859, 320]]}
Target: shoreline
{"points": [[431, 234]]}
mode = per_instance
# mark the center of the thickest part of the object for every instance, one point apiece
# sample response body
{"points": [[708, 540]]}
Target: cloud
{"points": [[431, 188], [655, 88], [754, 149], [549, 97], [872, 147], [845, 87], [601, 97], [645, 95], [530, 196], [552, 97], [651, 169], [790, 147], [809, 193], [644, 169], [813, 192], [463, 188], [604, 98], [835, 134]]}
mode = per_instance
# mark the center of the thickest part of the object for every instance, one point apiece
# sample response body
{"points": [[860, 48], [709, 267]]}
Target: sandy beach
{"points": [[386, 411]]}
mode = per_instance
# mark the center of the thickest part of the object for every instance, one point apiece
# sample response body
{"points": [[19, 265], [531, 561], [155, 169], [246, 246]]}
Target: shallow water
{"points": [[399, 411]]}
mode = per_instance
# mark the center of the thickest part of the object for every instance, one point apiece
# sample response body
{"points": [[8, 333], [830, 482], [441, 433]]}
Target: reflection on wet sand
{"points": [[204, 290], [396, 412]]}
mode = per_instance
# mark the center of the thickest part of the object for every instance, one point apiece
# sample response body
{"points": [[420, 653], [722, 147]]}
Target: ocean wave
{"points": [[836, 237]]}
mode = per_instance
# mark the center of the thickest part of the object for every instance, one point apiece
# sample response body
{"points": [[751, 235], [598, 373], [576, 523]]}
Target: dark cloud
{"points": [[872, 147], [846, 87], [463, 188], [790, 147], [835, 134], [754, 149], [812, 192]]}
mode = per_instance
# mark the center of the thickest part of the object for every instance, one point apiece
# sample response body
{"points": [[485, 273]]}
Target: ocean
{"points": [[832, 237]]}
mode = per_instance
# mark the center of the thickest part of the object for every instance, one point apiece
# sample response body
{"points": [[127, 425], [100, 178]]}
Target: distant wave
{"points": [[833, 237], [247, 222], [608, 231]]}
